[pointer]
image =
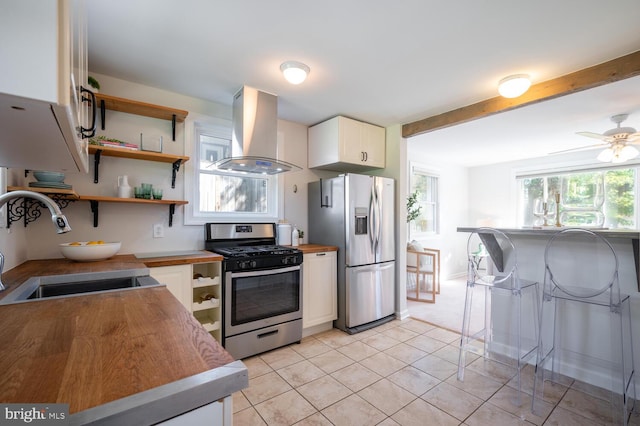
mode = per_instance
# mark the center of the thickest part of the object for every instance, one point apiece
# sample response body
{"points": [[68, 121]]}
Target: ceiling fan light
{"points": [[294, 72], [628, 153], [514, 85], [606, 155]]}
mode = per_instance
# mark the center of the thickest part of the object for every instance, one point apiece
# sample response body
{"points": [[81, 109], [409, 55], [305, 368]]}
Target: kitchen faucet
{"points": [[59, 220]]}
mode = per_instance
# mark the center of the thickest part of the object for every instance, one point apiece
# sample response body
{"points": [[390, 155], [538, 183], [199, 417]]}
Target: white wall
{"points": [[132, 223], [454, 209]]}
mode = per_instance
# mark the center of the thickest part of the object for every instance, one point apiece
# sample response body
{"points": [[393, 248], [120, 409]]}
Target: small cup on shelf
{"points": [[147, 189], [157, 193], [137, 192]]}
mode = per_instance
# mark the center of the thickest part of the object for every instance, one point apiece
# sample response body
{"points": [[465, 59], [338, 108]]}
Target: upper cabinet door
{"points": [[44, 62]]}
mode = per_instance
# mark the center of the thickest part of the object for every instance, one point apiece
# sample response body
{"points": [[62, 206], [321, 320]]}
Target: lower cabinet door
{"points": [[319, 288], [178, 281]]}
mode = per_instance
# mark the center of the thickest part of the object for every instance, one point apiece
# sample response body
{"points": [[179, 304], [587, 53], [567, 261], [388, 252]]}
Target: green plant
{"points": [[300, 233], [93, 82], [413, 209]]}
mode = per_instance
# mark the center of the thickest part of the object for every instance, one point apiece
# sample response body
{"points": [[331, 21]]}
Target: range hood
{"points": [[254, 145]]}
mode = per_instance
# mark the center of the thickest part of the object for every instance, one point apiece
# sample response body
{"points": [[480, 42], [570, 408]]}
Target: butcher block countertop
{"points": [[135, 356], [315, 248]]}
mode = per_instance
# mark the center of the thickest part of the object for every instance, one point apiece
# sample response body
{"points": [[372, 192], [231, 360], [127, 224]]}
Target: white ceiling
{"points": [[383, 61]]}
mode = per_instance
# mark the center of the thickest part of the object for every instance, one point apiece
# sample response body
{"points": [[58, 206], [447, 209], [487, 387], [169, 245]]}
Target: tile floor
{"points": [[400, 373]]}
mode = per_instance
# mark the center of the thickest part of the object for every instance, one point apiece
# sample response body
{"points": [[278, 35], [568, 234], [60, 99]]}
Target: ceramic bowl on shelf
{"points": [[88, 251], [44, 176]]}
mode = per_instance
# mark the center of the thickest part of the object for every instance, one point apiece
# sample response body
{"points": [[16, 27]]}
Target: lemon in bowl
{"points": [[88, 251]]}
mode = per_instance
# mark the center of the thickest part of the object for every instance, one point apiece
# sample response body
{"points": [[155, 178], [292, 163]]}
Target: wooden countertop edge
{"points": [[315, 248]]}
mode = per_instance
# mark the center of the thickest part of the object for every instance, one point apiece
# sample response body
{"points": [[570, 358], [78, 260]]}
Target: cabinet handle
{"points": [[366, 156], [91, 131], [321, 254]]}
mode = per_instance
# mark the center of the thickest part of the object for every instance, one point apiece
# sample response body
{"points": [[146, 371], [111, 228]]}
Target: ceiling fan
{"points": [[617, 141]]}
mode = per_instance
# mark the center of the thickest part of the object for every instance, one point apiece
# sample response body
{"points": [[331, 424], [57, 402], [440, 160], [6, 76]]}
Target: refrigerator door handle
{"points": [[378, 218], [372, 215]]}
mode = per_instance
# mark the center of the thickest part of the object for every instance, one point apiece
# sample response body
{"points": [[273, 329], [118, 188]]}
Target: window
{"points": [[596, 198], [224, 195], [425, 184]]}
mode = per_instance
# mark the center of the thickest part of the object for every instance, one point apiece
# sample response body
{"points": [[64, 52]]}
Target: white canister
{"points": [[284, 234], [124, 190], [295, 237]]}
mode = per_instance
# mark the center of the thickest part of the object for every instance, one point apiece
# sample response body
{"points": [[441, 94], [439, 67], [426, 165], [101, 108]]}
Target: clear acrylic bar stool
{"points": [[581, 293], [493, 268]]}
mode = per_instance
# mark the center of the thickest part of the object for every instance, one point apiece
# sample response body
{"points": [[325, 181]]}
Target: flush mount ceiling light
{"points": [[514, 85], [294, 72]]}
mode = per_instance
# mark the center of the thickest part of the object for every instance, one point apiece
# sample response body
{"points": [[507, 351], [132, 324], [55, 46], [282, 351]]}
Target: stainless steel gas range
{"points": [[262, 287]]}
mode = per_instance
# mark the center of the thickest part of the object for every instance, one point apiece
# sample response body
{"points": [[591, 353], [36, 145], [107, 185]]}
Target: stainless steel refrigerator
{"points": [[356, 213]]}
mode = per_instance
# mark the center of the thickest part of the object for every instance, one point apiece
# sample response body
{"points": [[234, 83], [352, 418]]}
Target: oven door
{"points": [[258, 299]]}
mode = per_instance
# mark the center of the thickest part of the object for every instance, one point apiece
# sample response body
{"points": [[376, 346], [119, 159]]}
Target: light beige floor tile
{"points": [[380, 341], [591, 390], [240, 402], [335, 338], [383, 364], [421, 413], [452, 400], [315, 419], [588, 406], [388, 422], [561, 417], [388, 325], [498, 372], [331, 361], [443, 335], [247, 417], [285, 409], [280, 358], [476, 384], [324, 391], [414, 380], [400, 333], [367, 333], [507, 399], [419, 327], [356, 377], [553, 392], [264, 387], [426, 343], [300, 373], [353, 411], [358, 351], [451, 353], [489, 414], [405, 353], [386, 396], [256, 366], [311, 347], [436, 367]]}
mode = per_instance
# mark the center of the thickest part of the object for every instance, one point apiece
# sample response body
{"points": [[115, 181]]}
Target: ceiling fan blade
{"points": [[582, 148], [592, 135], [634, 137]]}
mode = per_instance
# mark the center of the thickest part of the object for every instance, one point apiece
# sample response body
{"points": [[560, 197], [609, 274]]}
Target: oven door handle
{"points": [[263, 272]]}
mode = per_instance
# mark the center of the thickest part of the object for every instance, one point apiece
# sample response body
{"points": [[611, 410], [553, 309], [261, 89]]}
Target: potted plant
{"points": [[413, 208], [94, 84]]}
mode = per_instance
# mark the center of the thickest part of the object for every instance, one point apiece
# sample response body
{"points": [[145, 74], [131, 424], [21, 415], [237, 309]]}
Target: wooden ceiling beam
{"points": [[598, 75]]}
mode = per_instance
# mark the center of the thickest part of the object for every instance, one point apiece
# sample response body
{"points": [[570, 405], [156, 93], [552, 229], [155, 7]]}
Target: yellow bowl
{"points": [[85, 252]]}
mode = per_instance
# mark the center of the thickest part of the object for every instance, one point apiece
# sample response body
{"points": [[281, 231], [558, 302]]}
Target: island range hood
{"points": [[254, 145]]}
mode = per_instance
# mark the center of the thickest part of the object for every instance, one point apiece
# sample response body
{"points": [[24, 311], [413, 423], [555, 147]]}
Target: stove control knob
{"points": [[253, 263]]}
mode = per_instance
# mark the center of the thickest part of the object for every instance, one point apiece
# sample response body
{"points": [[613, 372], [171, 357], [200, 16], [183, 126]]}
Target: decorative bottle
{"points": [[295, 236]]}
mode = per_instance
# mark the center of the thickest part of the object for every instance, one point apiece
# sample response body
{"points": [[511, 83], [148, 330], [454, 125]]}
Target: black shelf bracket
{"points": [[29, 210], [94, 210], [173, 127], [175, 168], [96, 165], [172, 210], [102, 113]]}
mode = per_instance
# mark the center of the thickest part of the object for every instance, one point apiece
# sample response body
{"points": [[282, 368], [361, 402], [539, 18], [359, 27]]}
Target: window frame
{"points": [[418, 168], [195, 125]]}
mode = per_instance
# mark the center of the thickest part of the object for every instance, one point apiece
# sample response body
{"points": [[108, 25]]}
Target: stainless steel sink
{"points": [[75, 284]]}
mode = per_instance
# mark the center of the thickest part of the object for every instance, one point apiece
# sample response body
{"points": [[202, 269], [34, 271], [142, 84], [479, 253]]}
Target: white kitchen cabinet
{"points": [[218, 413], [198, 288], [177, 279], [44, 65], [345, 144], [319, 288]]}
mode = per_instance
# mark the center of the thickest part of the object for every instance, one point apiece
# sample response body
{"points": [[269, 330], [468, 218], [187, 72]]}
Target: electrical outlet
{"points": [[158, 230]]}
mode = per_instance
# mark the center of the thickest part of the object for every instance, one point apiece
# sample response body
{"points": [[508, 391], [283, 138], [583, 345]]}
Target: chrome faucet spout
{"points": [[59, 220]]}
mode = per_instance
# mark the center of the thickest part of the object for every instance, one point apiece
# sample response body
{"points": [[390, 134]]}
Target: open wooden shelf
{"points": [[141, 108], [68, 195]]}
